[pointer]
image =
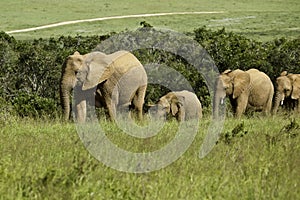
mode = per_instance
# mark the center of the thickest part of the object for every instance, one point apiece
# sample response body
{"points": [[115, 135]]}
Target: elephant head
{"points": [[68, 80], [287, 87], [85, 71], [170, 104], [232, 84], [183, 105]]}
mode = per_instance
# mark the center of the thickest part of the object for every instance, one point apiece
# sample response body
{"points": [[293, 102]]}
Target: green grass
{"points": [[263, 20], [256, 158]]}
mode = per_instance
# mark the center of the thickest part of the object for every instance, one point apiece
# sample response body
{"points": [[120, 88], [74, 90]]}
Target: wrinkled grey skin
{"points": [[116, 81], [245, 89], [287, 91], [183, 105]]}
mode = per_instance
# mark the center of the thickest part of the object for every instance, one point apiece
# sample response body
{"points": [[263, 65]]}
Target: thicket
{"points": [[30, 70]]}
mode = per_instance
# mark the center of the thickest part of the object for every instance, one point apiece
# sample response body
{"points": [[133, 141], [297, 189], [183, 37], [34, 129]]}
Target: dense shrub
{"points": [[232, 51], [285, 55], [33, 105], [30, 70]]}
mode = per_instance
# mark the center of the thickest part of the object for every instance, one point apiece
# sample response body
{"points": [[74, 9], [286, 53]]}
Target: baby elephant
{"points": [[183, 105]]}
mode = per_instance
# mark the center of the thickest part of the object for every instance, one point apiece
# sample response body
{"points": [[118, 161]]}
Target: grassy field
{"points": [[255, 158], [263, 20]]}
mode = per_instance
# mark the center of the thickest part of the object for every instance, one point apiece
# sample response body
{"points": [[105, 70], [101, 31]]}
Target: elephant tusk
{"points": [[222, 101], [281, 102]]}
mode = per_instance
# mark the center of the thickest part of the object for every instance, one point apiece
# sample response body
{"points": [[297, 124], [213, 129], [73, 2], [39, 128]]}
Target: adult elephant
{"points": [[117, 80], [287, 91], [183, 105], [245, 89]]}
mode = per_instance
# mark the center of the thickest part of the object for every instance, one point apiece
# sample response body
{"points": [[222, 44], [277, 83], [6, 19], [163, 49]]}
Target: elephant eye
{"points": [[166, 108]]}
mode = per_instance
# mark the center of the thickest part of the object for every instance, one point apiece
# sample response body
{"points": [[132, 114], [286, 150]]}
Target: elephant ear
{"points": [[295, 79], [284, 73], [176, 104], [99, 69], [76, 53], [295, 95], [240, 83], [292, 77], [227, 71]]}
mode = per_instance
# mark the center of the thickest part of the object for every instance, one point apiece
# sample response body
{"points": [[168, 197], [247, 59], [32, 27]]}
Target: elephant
{"points": [[117, 81], [287, 91], [245, 89], [183, 105]]}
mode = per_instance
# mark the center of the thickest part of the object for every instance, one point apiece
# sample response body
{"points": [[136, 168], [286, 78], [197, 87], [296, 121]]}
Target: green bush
{"points": [[32, 105], [284, 54], [30, 70], [232, 51]]}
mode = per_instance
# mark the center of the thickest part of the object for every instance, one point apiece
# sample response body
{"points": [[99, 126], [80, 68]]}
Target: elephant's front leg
{"points": [[138, 101], [241, 105], [80, 104], [81, 111], [297, 106], [181, 115]]}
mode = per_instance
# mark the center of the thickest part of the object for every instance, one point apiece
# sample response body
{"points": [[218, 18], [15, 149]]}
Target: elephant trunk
{"points": [[218, 100], [65, 102], [218, 103], [279, 98], [215, 106], [67, 84], [161, 112]]}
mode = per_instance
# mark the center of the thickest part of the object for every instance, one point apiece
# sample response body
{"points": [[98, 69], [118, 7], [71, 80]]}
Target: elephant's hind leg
{"points": [[111, 107], [138, 101], [267, 109]]}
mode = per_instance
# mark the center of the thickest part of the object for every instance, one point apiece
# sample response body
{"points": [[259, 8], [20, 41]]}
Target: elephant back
{"points": [[260, 79], [192, 105], [261, 88], [123, 61]]}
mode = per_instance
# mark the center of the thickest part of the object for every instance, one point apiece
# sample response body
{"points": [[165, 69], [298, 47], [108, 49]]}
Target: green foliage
{"points": [[145, 24], [232, 51], [284, 55], [32, 69], [288, 131], [237, 131], [32, 105]]}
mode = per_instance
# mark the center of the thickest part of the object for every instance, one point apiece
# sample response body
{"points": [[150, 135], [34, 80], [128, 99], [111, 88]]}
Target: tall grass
{"points": [[255, 158]]}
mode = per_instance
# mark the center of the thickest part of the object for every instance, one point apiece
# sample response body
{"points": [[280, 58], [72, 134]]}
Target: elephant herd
{"points": [[253, 89], [118, 82]]}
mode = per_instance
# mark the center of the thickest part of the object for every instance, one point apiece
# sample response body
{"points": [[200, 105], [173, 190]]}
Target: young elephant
{"points": [[117, 80], [183, 105], [287, 91], [245, 89]]}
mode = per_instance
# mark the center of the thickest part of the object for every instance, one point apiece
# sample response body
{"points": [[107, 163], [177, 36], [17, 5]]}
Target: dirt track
{"points": [[108, 18]]}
